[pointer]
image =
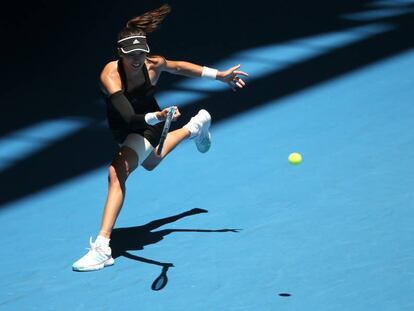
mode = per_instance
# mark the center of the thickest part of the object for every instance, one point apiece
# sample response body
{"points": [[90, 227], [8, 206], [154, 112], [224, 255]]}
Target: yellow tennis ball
{"points": [[295, 158]]}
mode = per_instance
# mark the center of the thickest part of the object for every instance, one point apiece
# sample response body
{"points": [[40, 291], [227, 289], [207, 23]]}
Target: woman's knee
{"points": [[116, 176], [119, 172], [125, 162]]}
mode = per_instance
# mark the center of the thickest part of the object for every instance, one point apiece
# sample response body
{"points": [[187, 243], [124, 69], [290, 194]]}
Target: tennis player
{"points": [[136, 121]]}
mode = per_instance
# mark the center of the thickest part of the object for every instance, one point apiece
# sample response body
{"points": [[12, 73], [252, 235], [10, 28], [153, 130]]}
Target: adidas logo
{"points": [[135, 41]]}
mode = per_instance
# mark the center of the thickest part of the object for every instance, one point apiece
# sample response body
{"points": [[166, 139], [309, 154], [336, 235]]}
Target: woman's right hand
{"points": [[162, 115]]}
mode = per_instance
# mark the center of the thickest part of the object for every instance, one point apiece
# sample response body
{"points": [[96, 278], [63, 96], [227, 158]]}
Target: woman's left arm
{"points": [[229, 76]]}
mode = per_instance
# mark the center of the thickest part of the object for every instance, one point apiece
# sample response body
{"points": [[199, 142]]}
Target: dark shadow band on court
{"points": [[92, 147]]}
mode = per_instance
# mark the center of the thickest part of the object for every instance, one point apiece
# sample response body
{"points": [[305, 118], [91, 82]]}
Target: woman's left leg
{"points": [[172, 140], [197, 128]]}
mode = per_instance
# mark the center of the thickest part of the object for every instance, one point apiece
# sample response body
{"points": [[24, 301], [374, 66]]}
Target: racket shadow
{"points": [[136, 238]]}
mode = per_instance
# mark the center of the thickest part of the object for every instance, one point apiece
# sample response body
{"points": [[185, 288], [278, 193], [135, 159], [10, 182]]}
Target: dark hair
{"points": [[145, 23]]}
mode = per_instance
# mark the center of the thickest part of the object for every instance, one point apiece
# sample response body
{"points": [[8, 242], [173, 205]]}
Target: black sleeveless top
{"points": [[143, 101]]}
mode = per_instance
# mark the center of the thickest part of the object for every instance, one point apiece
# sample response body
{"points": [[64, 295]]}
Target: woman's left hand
{"points": [[162, 115], [230, 76]]}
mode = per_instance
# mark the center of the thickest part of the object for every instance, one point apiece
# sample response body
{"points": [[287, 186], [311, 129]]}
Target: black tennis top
{"points": [[142, 100]]}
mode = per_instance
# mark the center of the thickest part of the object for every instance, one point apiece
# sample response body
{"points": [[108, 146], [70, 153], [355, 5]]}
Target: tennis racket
{"points": [[165, 130]]}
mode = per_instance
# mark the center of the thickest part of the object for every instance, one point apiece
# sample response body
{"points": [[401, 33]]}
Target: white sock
{"points": [[101, 240]]}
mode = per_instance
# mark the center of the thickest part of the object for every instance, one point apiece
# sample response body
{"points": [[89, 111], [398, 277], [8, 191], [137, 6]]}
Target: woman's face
{"points": [[134, 60]]}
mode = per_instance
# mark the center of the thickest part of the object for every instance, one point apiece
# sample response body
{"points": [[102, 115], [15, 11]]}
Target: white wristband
{"points": [[209, 73], [151, 118]]}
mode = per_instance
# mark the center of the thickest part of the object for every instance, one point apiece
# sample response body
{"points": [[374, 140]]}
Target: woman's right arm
{"points": [[112, 86]]}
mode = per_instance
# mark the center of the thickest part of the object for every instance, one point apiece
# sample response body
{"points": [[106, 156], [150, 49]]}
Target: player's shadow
{"points": [[136, 238]]}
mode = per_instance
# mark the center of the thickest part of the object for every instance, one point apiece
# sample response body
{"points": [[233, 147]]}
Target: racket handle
{"points": [[164, 133]]}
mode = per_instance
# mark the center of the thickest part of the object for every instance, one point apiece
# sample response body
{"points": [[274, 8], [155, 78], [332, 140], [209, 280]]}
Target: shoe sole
{"points": [[208, 148], [206, 129], [100, 266]]}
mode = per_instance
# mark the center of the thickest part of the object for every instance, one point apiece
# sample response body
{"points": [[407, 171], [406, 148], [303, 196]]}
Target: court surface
{"points": [[239, 228]]}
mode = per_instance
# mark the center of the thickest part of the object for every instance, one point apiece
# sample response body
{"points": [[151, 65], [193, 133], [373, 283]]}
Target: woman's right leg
{"points": [[124, 163], [100, 254]]}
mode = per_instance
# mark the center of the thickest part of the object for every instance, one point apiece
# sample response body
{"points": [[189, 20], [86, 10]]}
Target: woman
{"points": [[136, 120]]}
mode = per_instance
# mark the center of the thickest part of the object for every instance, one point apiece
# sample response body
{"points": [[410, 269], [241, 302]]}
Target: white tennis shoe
{"points": [[199, 130], [98, 257]]}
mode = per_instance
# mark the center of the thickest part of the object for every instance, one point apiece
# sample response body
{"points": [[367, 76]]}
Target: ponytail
{"points": [[149, 21]]}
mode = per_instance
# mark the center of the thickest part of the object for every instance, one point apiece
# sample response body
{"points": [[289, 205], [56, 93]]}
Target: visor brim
{"points": [[130, 49]]}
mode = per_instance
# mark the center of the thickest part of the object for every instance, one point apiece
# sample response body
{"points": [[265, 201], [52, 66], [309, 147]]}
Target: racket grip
{"points": [[165, 130]]}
